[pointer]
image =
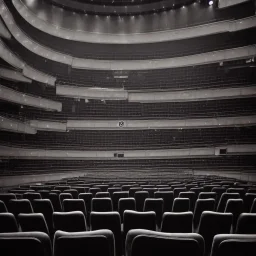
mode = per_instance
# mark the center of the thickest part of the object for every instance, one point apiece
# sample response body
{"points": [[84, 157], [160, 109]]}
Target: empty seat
{"points": [[177, 222], [213, 223], [219, 191], [224, 198], [140, 197], [44, 193], [133, 190], [94, 191], [135, 220], [233, 244], [150, 191], [73, 192], [31, 196], [248, 200], [6, 197], [176, 191], [145, 242], [87, 197], [181, 205], [93, 243], [45, 207], [192, 198], [235, 206], [197, 190], [103, 204], [117, 196], [246, 223], [126, 204], [8, 223], [207, 195], [64, 196], [55, 199], [69, 221], [112, 190], [168, 197], [17, 206], [240, 191], [3, 207], [79, 189], [201, 206], [33, 222], [25, 243], [62, 187], [71, 205], [208, 188], [111, 221], [155, 205], [102, 194], [56, 191], [253, 208]]}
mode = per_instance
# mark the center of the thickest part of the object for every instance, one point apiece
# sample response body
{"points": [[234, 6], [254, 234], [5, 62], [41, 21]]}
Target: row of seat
{"points": [[211, 223], [139, 242]]}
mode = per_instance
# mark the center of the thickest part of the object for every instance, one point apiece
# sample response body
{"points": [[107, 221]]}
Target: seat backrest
{"points": [[93, 243], [146, 242], [62, 187], [79, 189], [103, 204], [143, 220], [25, 243], [112, 190], [181, 205], [94, 191], [133, 190], [224, 198], [201, 206], [6, 197], [64, 196], [241, 191], [71, 205], [103, 187], [8, 223], [87, 197], [111, 221], [73, 192], [156, 205], [168, 197], [177, 190], [3, 207], [31, 196], [235, 206], [253, 208], [126, 204], [248, 200], [246, 223], [17, 206], [197, 190], [140, 197], [102, 194], [238, 244], [207, 195], [213, 223], [192, 198], [177, 222], [116, 196], [150, 191], [33, 222], [69, 221]]}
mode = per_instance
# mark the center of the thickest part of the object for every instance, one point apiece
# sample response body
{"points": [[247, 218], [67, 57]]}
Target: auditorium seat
{"points": [[140, 197], [102, 194], [201, 206], [117, 196], [135, 220], [94, 191], [208, 188], [177, 190], [79, 189], [240, 191], [246, 223], [112, 190], [177, 222], [224, 198], [168, 197], [197, 190], [44, 193], [165, 189], [33, 222], [62, 187], [181, 205], [103, 187], [8, 223], [93, 243], [248, 200], [150, 191], [141, 242], [213, 223], [3, 207], [126, 204], [207, 195], [69, 221], [253, 208], [103, 204], [87, 197], [71, 205], [45, 207], [31, 196], [64, 196], [6, 197], [192, 198], [219, 191], [56, 191], [233, 245], [155, 205], [111, 221], [235, 206], [133, 190], [17, 206], [73, 192], [55, 200], [126, 187], [25, 243]]}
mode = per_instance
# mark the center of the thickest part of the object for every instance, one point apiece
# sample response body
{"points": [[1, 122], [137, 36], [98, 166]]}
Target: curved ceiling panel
{"points": [[54, 25]]}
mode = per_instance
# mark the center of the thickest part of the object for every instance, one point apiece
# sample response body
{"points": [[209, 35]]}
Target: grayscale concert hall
{"points": [[127, 127]]}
